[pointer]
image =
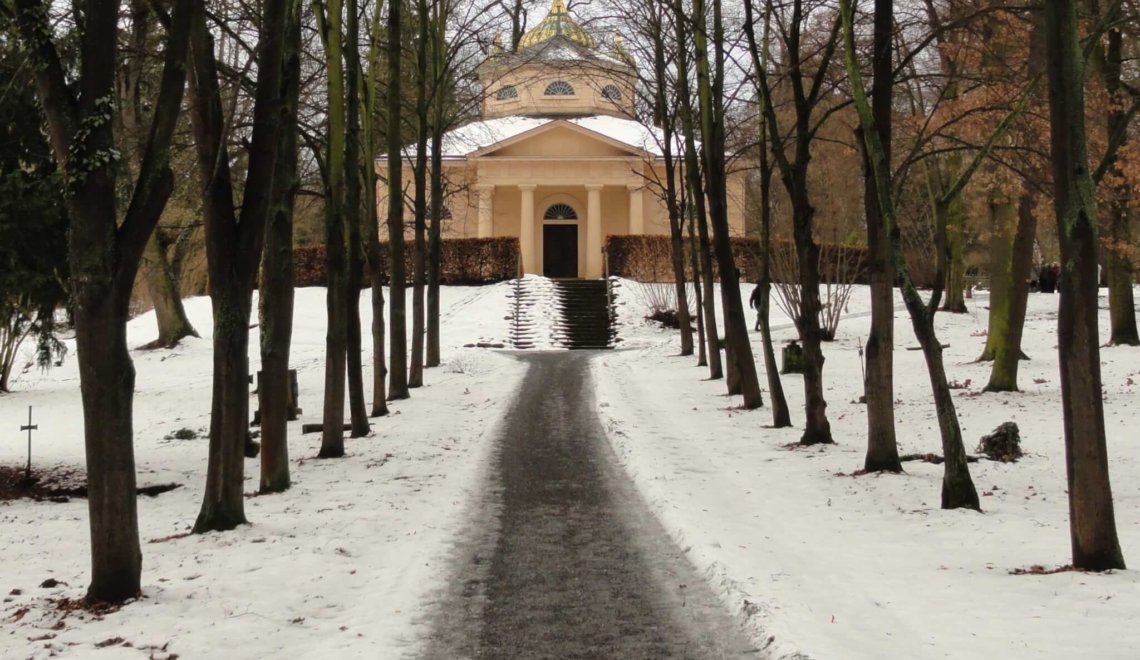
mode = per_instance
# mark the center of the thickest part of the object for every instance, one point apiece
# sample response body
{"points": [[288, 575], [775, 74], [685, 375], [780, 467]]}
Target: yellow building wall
{"points": [[556, 181], [530, 83]]}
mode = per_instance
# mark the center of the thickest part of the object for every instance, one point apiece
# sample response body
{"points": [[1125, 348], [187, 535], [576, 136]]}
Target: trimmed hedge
{"points": [[649, 259], [462, 261]]}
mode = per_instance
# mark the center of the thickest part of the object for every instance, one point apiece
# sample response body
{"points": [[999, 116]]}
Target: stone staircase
{"points": [[586, 319], [573, 314]]}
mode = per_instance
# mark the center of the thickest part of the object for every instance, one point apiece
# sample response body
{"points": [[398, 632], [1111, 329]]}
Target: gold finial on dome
{"points": [[620, 50], [557, 22], [498, 46]]}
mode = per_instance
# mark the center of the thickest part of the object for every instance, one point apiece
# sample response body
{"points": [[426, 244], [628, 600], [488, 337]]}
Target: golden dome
{"points": [[557, 22]]}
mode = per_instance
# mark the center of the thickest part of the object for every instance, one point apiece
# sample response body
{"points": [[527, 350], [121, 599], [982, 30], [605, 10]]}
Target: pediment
{"points": [[560, 139]]}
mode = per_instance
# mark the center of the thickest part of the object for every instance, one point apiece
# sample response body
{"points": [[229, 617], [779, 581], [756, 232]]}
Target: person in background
{"points": [[1046, 280], [754, 303]]}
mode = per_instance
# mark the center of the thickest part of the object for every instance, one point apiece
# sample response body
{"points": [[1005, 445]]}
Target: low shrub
{"points": [[462, 261], [649, 259]]}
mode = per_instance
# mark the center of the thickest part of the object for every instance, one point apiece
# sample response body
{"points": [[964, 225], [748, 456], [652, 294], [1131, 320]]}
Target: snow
{"points": [[836, 566], [350, 561], [344, 564], [479, 135]]}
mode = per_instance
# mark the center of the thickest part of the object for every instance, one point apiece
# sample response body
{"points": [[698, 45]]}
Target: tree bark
{"points": [[440, 75], [104, 257], [957, 487], [372, 247], [233, 249], [879, 386], [742, 366], [173, 324], [162, 287], [336, 266], [1092, 521], [955, 302], [672, 201], [358, 413], [419, 173], [398, 375], [694, 264], [275, 297], [1003, 227], [1109, 58], [781, 415], [695, 196], [817, 430], [1007, 359]]}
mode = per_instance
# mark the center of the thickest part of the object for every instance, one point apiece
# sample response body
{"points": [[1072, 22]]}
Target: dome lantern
{"points": [[557, 23]]}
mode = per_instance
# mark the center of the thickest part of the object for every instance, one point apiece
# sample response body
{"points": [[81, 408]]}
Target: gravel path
{"points": [[568, 561]]}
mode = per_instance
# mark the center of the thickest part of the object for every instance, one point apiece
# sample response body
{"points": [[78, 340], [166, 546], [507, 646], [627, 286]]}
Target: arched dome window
{"points": [[611, 93], [560, 211], [559, 88], [506, 92]]}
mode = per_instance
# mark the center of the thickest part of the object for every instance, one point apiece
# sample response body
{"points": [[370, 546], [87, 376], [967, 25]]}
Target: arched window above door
{"points": [[560, 211], [559, 88]]}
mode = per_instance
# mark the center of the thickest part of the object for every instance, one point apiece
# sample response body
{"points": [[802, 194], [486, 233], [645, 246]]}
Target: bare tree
{"points": [[105, 250], [234, 239], [1092, 521]]}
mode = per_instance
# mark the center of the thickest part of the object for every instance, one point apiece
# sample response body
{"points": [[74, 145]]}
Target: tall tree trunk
{"points": [[1003, 227], [419, 254], [1121, 303], [104, 256], [695, 195], [1108, 58], [173, 324], [233, 249], [336, 267], [435, 254], [712, 338], [698, 295], [817, 429], [672, 195], [781, 415], [957, 487], [358, 413], [956, 240], [276, 288], [1092, 521], [742, 366], [1008, 356], [107, 384], [879, 385], [439, 65], [162, 287], [372, 247], [398, 375]]}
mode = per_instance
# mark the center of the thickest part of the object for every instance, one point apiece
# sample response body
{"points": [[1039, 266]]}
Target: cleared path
{"points": [[574, 565]]}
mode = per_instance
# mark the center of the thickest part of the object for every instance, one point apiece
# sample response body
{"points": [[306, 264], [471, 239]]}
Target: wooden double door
{"points": [[560, 250]]}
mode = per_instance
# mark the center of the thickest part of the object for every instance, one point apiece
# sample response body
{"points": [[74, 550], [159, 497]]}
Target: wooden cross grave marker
{"points": [[29, 428]]}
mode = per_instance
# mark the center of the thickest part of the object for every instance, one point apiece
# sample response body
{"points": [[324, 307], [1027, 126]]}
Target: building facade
{"points": [[558, 157]]}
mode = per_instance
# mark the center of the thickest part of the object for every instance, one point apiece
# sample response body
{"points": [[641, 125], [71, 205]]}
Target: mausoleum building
{"points": [[559, 157]]}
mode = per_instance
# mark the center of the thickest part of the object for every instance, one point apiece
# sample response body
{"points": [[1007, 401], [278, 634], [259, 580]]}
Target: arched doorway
{"points": [[560, 241]]}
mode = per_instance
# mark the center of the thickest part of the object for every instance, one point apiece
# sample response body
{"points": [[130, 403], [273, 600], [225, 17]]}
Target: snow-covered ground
{"points": [[349, 561], [837, 566], [340, 566]]}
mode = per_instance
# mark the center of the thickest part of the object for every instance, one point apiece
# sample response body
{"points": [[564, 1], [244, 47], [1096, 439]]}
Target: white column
{"points": [[486, 193], [526, 227], [594, 230], [636, 213]]}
